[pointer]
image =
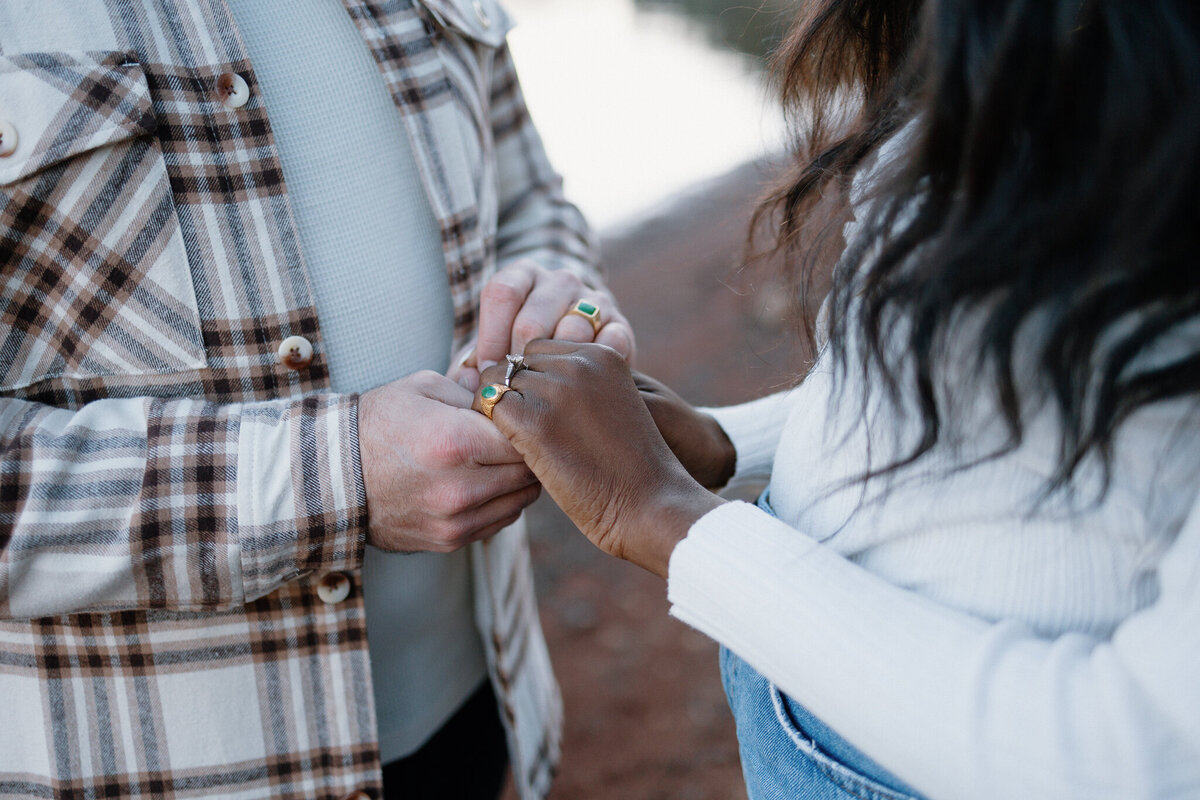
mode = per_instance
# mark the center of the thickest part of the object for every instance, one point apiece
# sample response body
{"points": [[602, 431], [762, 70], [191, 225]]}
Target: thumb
{"points": [[442, 389], [468, 378]]}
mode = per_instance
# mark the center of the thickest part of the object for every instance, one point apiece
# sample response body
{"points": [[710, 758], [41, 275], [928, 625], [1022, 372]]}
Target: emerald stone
{"points": [[488, 392], [586, 308]]}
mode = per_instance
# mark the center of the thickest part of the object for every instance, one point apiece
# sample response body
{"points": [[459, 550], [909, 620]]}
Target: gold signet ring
{"points": [[590, 312]]}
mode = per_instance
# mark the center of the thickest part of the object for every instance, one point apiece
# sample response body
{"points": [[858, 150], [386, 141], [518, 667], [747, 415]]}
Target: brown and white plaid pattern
{"points": [[169, 492]]}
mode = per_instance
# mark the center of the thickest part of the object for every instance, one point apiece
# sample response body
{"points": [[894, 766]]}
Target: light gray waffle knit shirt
{"points": [[374, 257]]}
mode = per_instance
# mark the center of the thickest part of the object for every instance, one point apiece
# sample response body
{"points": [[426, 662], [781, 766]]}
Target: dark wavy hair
{"points": [[1053, 169]]}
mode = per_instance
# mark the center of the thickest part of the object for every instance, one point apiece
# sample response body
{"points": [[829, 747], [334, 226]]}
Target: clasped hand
{"points": [[625, 458], [438, 475]]}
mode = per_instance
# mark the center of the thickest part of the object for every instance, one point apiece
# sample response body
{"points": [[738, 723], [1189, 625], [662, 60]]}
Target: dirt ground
{"points": [[646, 717]]}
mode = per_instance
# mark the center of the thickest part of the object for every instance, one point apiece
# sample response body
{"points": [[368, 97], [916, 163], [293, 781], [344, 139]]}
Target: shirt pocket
{"points": [[94, 278]]}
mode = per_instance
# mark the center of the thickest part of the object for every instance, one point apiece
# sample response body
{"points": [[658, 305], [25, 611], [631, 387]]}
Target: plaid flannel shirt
{"points": [[172, 494]]}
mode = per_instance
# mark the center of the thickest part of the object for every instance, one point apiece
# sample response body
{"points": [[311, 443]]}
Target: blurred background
{"points": [[658, 115]]}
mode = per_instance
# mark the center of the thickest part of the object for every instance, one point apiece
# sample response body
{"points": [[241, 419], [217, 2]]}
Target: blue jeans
{"points": [[789, 754]]}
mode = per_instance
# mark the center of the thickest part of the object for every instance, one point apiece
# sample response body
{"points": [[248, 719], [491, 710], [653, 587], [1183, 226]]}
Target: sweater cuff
{"points": [[301, 499], [735, 538], [754, 428]]}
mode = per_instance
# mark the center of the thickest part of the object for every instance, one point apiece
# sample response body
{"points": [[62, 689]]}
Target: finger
{"points": [[618, 335], [546, 308], [496, 373], [644, 382], [552, 347], [539, 355], [502, 299], [442, 389], [464, 372], [574, 328], [468, 378], [491, 375], [482, 443], [501, 512], [510, 414], [491, 530], [488, 483], [459, 530]]}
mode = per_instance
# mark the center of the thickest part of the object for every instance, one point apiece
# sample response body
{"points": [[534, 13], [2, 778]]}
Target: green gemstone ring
{"points": [[490, 395], [590, 312]]}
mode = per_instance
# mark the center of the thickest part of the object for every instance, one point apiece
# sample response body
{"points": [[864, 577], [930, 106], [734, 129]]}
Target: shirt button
{"points": [[334, 587], [8, 138], [482, 14], [232, 90], [296, 352]]}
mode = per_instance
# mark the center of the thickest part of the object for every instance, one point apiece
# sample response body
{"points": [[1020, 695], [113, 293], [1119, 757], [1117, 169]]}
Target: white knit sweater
{"points": [[970, 640]]}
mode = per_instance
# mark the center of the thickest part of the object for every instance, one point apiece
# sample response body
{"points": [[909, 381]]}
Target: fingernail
{"points": [[485, 364], [467, 352]]}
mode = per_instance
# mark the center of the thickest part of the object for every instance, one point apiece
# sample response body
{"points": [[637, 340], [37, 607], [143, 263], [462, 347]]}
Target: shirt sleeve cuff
{"points": [[301, 499]]}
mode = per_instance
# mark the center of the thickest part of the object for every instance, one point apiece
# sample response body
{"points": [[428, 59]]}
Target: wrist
{"points": [[675, 509]]}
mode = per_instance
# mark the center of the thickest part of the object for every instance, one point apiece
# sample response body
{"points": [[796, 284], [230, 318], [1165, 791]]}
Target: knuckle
{"points": [[499, 292], [573, 328], [564, 280], [588, 361], [450, 536], [524, 264], [445, 450], [607, 356], [493, 374], [457, 500], [426, 377], [536, 348], [526, 329]]}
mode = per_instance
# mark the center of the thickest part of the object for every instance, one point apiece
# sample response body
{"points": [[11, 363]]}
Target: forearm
{"points": [[176, 504], [986, 709]]}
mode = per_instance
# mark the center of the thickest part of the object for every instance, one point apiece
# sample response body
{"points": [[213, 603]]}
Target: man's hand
{"points": [[525, 301], [437, 474]]}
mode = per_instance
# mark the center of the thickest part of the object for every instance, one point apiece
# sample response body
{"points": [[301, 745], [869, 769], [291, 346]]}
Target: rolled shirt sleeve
{"points": [[174, 504]]}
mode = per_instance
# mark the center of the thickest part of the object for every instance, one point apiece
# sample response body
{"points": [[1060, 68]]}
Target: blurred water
{"points": [[635, 100]]}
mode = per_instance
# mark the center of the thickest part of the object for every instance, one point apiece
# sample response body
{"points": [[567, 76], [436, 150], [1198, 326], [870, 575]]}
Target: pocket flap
{"points": [[482, 20], [64, 104]]}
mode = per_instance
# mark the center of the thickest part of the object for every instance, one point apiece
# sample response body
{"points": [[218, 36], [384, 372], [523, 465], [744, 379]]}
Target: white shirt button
{"points": [[334, 587], [295, 352], [233, 90], [482, 14], [8, 138]]}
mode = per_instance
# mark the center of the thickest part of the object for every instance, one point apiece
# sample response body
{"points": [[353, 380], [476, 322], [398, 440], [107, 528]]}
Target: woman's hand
{"points": [[575, 414], [696, 439]]}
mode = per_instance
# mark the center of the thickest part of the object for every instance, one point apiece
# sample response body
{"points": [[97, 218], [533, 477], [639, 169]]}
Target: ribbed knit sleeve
{"points": [[754, 428], [953, 705]]}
